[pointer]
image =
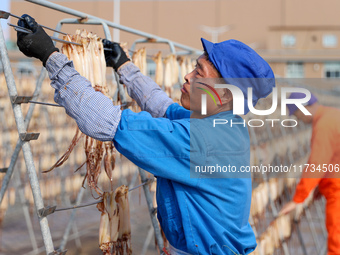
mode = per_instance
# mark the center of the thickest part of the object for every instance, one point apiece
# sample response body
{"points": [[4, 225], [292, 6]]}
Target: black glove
{"points": [[116, 56], [38, 44]]}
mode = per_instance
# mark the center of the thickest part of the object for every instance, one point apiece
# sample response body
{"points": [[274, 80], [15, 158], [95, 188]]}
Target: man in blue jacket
{"points": [[201, 212]]}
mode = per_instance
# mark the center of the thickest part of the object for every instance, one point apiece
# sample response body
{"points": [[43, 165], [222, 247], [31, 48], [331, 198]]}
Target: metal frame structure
{"points": [[320, 249], [84, 16], [22, 124], [24, 140]]}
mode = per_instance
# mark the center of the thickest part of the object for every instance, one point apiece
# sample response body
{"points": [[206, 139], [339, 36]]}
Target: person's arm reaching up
{"points": [[94, 113], [148, 95]]}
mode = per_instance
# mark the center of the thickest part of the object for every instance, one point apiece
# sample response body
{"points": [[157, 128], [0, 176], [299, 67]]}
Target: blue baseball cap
{"points": [[297, 95], [236, 61]]}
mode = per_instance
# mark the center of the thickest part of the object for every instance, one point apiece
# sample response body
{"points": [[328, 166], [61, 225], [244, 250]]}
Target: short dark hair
{"points": [[207, 57]]}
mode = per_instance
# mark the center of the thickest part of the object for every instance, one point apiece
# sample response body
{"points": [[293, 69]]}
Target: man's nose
{"points": [[187, 77]]}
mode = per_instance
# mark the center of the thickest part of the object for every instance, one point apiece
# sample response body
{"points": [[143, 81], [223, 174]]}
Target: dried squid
{"points": [[115, 227], [88, 59]]}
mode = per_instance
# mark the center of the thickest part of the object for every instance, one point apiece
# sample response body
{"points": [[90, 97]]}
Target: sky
{"points": [[5, 6]]}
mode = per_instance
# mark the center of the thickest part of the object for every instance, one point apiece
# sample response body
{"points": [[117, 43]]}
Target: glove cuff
{"points": [[122, 60], [48, 54]]}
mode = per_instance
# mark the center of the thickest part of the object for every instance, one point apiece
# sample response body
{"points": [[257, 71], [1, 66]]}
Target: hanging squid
{"points": [[88, 59]]}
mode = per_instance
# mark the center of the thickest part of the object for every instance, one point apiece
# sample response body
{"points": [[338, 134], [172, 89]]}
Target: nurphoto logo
{"points": [[204, 97], [238, 99], [240, 102]]}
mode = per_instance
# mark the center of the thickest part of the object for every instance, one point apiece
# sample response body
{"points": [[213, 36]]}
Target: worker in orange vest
{"points": [[322, 172]]}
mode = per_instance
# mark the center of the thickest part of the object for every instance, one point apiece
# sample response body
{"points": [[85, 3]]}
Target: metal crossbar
{"points": [[85, 16]]}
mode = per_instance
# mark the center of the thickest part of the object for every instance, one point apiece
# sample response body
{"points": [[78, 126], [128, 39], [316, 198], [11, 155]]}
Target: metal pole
{"points": [[17, 149], [19, 119], [303, 247], [171, 44], [88, 22], [19, 187], [76, 236], [64, 198], [147, 241], [26, 210], [71, 221], [152, 211], [312, 228], [321, 217], [6, 144], [116, 19], [84, 232]]}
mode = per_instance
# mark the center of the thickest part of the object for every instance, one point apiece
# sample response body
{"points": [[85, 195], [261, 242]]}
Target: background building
{"points": [[298, 38], [304, 51]]}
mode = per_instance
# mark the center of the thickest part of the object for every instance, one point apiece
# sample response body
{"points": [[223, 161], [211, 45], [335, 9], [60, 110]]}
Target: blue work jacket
{"points": [[199, 212]]}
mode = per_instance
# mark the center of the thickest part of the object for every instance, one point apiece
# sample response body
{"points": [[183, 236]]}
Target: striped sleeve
{"points": [[94, 113], [149, 96]]}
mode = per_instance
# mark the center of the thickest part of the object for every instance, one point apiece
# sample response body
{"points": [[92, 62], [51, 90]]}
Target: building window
{"points": [[329, 41], [332, 70], [288, 41], [295, 70]]}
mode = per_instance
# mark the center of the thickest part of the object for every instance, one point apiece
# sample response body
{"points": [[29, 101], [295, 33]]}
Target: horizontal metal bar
{"points": [[42, 103], [153, 210], [99, 201], [86, 22], [58, 252], [5, 15], [57, 105], [63, 41], [46, 211], [20, 99], [109, 49], [111, 24], [28, 136], [3, 170], [78, 206], [15, 16], [128, 104], [147, 182], [25, 30], [131, 51], [20, 29]]}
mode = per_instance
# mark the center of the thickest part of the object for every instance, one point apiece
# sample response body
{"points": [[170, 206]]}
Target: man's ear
{"points": [[226, 97]]}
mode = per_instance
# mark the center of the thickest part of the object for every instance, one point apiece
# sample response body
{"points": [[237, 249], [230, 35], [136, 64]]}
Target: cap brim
{"points": [[207, 45]]}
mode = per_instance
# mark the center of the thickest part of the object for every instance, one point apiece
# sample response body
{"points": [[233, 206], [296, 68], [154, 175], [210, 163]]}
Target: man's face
{"points": [[203, 69]]}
